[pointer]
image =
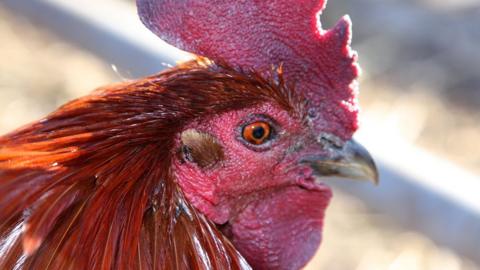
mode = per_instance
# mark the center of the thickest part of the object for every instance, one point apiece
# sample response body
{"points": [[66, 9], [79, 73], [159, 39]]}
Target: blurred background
{"points": [[420, 81]]}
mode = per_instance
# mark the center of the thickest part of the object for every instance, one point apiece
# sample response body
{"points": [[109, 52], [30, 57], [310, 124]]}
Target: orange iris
{"points": [[256, 133]]}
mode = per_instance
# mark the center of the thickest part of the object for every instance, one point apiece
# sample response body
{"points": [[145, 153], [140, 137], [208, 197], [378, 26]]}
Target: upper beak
{"points": [[350, 161]]}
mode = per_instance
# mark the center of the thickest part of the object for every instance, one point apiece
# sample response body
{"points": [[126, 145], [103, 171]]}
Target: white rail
{"points": [[417, 189]]}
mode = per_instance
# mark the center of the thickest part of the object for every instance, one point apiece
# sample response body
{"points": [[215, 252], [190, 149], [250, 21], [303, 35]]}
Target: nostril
{"points": [[329, 141]]}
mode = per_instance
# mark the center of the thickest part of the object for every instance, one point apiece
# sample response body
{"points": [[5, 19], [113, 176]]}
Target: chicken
{"points": [[213, 164]]}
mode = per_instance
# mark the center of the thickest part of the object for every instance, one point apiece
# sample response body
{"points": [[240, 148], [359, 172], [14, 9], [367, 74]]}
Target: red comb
{"points": [[259, 34]]}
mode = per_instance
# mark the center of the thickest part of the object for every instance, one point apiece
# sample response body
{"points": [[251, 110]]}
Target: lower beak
{"points": [[352, 161]]}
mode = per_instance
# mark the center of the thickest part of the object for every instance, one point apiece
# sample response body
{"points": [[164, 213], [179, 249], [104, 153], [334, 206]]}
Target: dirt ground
{"points": [[39, 72]]}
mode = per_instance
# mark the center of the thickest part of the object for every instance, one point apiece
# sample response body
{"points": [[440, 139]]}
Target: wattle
{"points": [[282, 231]]}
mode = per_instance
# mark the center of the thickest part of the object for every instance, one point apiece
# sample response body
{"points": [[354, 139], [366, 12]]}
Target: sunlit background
{"points": [[421, 82]]}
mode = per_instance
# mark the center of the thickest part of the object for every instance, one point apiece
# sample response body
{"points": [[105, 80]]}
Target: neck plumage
{"points": [[105, 218], [90, 187]]}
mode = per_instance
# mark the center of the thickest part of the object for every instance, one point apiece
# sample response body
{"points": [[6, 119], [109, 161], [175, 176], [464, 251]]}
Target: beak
{"points": [[351, 161]]}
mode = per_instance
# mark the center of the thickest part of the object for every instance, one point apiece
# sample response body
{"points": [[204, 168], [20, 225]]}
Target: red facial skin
{"points": [[267, 201], [271, 206], [261, 195]]}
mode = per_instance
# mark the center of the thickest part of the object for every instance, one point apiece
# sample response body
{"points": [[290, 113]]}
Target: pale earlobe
{"points": [[200, 148]]}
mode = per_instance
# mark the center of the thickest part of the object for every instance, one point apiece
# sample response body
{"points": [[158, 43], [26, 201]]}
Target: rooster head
{"points": [[256, 171], [201, 166]]}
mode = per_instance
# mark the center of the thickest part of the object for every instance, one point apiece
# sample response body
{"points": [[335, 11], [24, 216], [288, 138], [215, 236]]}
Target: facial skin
{"points": [[264, 196]]}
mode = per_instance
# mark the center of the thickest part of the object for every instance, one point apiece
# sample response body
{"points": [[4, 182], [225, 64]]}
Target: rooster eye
{"points": [[257, 133]]}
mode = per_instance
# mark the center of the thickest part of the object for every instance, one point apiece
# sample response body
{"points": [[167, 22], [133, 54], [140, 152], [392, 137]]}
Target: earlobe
{"points": [[200, 148]]}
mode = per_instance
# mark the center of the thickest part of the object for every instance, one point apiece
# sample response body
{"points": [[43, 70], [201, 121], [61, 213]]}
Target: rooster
{"points": [[213, 164]]}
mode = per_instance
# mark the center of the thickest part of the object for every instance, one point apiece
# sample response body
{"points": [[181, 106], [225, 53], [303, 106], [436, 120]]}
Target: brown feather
{"points": [[90, 186]]}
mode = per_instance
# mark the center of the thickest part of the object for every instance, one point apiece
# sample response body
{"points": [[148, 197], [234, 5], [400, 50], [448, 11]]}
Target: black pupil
{"points": [[258, 132]]}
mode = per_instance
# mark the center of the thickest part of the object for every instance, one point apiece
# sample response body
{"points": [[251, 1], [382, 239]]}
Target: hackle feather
{"points": [[91, 187]]}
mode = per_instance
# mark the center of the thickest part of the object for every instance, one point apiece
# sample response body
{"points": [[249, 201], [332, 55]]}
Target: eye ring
{"points": [[257, 133]]}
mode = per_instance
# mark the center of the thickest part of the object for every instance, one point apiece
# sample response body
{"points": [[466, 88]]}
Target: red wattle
{"points": [[282, 231]]}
